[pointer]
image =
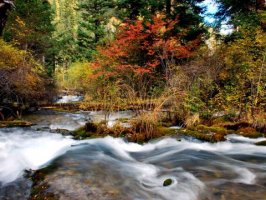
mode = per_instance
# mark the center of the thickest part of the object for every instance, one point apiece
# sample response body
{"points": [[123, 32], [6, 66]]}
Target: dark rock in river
{"points": [[167, 182], [261, 143], [61, 131], [90, 127]]}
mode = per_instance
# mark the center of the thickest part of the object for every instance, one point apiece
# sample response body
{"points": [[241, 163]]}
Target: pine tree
{"points": [[94, 16], [29, 26]]}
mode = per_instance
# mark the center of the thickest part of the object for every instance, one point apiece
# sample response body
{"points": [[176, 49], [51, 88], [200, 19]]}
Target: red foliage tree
{"points": [[143, 50]]}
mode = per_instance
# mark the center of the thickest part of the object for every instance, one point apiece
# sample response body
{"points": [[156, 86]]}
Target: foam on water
{"points": [[22, 149], [69, 99], [145, 179], [145, 167], [239, 138], [245, 176]]}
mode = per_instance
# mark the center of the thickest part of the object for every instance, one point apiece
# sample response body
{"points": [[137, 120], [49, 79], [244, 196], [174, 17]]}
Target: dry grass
{"points": [[146, 124], [192, 120], [259, 122]]}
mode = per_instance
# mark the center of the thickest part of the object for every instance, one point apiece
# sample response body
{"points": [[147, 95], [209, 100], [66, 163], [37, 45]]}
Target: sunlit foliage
{"points": [[143, 52], [22, 79]]}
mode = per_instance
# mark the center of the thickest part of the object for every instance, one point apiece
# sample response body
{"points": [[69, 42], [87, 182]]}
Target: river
{"points": [[111, 168]]}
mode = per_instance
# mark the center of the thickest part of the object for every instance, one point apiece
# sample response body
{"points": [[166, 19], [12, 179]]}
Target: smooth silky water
{"points": [[110, 168]]}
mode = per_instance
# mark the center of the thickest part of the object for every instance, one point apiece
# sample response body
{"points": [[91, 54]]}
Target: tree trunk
{"points": [[168, 7], [5, 5]]}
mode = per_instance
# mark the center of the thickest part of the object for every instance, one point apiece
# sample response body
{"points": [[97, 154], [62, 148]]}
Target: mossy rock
{"points": [[81, 133], [62, 131], [92, 130], [218, 137], [251, 135], [246, 130], [15, 123], [237, 126], [90, 127], [163, 131], [211, 129], [167, 182], [208, 137], [123, 120], [261, 143]]}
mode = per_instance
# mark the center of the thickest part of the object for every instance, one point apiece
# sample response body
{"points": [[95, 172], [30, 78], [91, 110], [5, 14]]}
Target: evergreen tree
{"points": [[65, 34], [4, 7], [29, 26], [245, 13], [94, 16], [186, 11]]}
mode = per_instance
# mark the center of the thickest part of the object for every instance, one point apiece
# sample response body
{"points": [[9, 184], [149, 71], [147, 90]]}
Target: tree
{"points": [[172, 8], [231, 79], [231, 7], [243, 77], [22, 79], [65, 22], [5, 6], [79, 27], [187, 11], [143, 52], [75, 77], [242, 14], [94, 16], [29, 26]]}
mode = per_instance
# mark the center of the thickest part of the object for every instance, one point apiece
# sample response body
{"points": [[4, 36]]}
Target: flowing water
{"points": [[69, 99], [110, 168]]}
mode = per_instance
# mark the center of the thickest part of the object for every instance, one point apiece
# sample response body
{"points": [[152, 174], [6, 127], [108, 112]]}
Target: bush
{"points": [[22, 79]]}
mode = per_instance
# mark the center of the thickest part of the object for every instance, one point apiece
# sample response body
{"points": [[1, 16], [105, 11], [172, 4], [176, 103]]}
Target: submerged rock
{"points": [[62, 131], [261, 143], [167, 182]]}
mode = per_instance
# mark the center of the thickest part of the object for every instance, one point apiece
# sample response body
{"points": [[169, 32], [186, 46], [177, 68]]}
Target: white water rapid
{"points": [[109, 168]]}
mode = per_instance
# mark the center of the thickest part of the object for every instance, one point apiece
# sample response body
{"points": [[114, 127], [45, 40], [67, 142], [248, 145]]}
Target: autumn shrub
{"points": [[22, 79], [153, 61], [141, 70], [241, 79], [228, 79], [140, 55]]}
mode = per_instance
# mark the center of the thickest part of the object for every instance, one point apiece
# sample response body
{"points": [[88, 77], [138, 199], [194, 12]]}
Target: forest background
{"points": [[119, 53]]}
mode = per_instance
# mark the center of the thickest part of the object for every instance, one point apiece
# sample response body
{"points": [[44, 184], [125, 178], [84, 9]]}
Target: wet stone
{"points": [[167, 182]]}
